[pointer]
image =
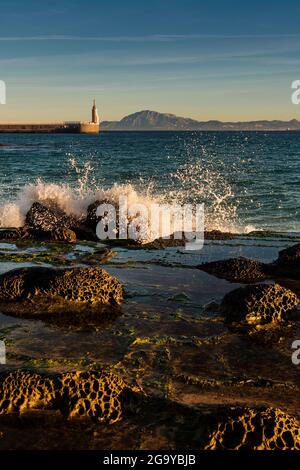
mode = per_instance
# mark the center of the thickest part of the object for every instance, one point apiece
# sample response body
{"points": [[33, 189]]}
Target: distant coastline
{"points": [[147, 120], [153, 121]]}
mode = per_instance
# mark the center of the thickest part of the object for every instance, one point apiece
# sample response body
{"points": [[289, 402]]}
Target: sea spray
{"points": [[195, 183], [192, 183]]}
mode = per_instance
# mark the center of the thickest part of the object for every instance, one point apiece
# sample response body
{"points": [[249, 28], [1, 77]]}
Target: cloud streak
{"points": [[149, 38]]}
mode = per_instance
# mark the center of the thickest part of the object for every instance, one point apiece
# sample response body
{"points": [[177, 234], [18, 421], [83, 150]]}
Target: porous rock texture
{"points": [[46, 218], [49, 222], [102, 396], [255, 429], [84, 285], [241, 270], [259, 304]]}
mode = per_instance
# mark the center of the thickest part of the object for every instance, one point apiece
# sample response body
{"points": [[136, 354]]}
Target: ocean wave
{"points": [[192, 183]]}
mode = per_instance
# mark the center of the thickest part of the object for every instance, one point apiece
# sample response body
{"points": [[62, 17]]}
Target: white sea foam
{"points": [[69, 199], [192, 183]]}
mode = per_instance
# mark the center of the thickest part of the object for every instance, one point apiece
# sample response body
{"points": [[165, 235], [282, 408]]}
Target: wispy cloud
{"points": [[149, 38]]}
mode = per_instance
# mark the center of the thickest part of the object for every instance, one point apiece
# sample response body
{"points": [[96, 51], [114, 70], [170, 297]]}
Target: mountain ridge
{"points": [[147, 120]]}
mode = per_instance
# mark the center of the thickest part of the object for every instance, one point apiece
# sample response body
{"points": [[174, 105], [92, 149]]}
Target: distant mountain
{"points": [[152, 120]]}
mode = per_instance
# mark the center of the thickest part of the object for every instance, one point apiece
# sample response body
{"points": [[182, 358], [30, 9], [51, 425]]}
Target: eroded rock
{"points": [[255, 429], [289, 255], [83, 285], [46, 218], [287, 263], [259, 304], [102, 396], [241, 270]]}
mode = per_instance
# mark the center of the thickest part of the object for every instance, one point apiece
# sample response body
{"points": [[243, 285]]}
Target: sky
{"points": [[223, 59]]}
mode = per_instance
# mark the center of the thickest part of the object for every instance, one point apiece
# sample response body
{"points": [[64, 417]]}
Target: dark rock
{"points": [[287, 263], [10, 234], [91, 218], [289, 255], [218, 235], [84, 232], [63, 235], [92, 221], [80, 285], [47, 218], [259, 304], [241, 270]]}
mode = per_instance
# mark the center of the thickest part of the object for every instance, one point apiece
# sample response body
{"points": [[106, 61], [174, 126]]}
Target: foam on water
{"points": [[192, 183]]}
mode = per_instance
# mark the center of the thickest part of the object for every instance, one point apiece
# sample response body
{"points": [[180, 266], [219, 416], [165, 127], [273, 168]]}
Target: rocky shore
{"points": [[147, 345]]}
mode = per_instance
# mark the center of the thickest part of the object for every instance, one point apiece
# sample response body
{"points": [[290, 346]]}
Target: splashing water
{"points": [[73, 200], [194, 182], [198, 184], [84, 172]]}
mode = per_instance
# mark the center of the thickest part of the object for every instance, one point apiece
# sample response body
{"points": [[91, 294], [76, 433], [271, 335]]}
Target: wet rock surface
{"points": [[252, 429], [91, 402], [236, 270], [96, 395], [245, 270], [192, 381], [288, 263], [289, 255], [47, 292], [259, 304], [105, 398], [63, 235], [46, 218]]}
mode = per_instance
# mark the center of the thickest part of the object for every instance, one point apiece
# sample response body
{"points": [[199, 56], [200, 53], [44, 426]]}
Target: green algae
{"points": [[56, 254]]}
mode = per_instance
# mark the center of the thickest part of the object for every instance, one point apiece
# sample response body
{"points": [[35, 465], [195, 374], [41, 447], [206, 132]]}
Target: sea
{"points": [[247, 181]]}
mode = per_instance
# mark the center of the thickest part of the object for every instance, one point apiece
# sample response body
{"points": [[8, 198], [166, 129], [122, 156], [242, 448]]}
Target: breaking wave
{"points": [[191, 183]]}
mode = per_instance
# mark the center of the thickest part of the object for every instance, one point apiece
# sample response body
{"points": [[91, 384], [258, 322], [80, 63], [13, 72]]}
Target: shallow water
{"points": [[167, 300], [169, 339]]}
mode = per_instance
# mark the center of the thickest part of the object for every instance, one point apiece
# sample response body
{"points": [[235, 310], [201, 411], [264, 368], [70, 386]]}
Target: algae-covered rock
{"points": [[83, 285], [259, 304], [242, 270], [254, 429]]}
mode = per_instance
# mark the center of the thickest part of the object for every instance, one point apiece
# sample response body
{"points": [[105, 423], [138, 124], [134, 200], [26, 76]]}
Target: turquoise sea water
{"points": [[247, 180]]}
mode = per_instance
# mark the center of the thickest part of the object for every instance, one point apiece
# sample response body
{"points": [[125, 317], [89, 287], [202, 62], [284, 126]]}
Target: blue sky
{"points": [[228, 60]]}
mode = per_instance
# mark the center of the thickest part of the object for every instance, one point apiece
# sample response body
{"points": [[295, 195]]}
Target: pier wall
{"points": [[55, 128]]}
